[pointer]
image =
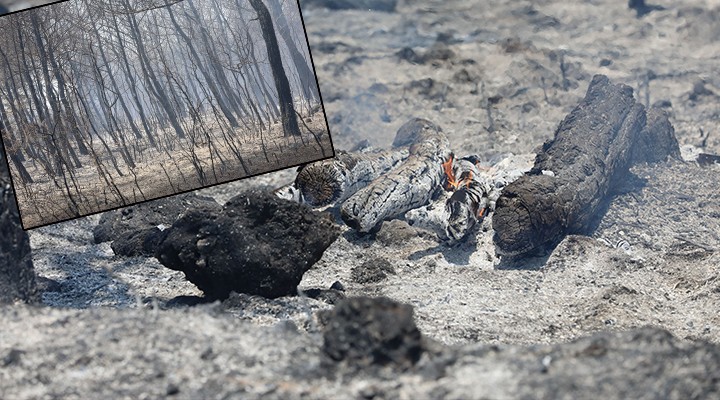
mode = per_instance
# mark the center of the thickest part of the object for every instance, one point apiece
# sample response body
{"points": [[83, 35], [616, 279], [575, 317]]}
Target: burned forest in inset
{"points": [[107, 103]]}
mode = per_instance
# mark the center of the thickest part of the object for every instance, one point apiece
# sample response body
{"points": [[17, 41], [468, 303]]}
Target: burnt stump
{"points": [[256, 244]]}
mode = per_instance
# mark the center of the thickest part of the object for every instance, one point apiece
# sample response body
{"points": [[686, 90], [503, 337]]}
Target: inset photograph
{"points": [[107, 103], [11, 6]]}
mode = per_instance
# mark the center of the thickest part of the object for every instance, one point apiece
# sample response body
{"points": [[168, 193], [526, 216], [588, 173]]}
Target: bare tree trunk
{"points": [[307, 78], [150, 74], [130, 76], [287, 109], [208, 78]]}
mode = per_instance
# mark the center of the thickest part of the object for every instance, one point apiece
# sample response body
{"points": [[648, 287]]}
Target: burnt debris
{"points": [[136, 230], [642, 9], [374, 270], [256, 244], [569, 184], [364, 332]]}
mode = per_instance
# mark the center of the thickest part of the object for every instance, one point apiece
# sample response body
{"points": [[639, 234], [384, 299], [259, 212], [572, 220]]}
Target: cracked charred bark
{"points": [[573, 174]]}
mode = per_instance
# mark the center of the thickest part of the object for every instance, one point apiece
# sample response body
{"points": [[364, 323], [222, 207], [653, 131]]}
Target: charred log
{"points": [[593, 149], [333, 181], [409, 186], [472, 191]]}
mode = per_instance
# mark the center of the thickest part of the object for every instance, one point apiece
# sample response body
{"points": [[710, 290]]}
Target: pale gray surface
{"points": [[667, 275], [203, 353]]}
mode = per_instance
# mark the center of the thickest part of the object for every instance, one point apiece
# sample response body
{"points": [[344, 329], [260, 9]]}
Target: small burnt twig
{"points": [[696, 244], [315, 135]]}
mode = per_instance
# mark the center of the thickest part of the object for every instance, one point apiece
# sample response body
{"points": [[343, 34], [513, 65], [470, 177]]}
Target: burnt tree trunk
{"points": [[593, 149], [307, 78], [287, 110]]}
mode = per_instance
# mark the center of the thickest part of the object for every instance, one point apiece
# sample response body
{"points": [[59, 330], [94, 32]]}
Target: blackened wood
{"points": [[657, 140], [705, 159], [593, 148], [17, 275], [285, 98]]}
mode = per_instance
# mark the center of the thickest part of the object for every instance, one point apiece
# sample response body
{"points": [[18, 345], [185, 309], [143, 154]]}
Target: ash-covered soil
{"points": [[498, 76]]}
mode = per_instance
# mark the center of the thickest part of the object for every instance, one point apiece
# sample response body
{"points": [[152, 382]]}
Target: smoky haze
{"points": [[106, 103]]}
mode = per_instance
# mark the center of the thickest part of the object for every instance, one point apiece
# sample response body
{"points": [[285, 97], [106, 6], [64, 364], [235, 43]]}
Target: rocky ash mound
{"points": [[627, 311]]}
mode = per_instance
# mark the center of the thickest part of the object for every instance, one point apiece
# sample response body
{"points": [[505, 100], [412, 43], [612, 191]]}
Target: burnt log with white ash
{"points": [[409, 186]]}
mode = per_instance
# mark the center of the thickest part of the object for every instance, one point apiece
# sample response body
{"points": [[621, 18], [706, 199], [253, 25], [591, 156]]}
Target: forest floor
{"points": [[498, 76], [164, 171]]}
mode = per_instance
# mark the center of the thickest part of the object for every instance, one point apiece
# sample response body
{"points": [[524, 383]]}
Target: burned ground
{"points": [[498, 77]]}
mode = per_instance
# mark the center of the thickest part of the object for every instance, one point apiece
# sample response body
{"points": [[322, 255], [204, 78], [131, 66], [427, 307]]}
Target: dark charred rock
{"points": [[569, 184], [136, 227], [364, 331], [375, 5], [141, 242], [642, 9], [256, 244], [17, 275], [700, 90], [329, 296], [372, 271], [409, 55]]}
